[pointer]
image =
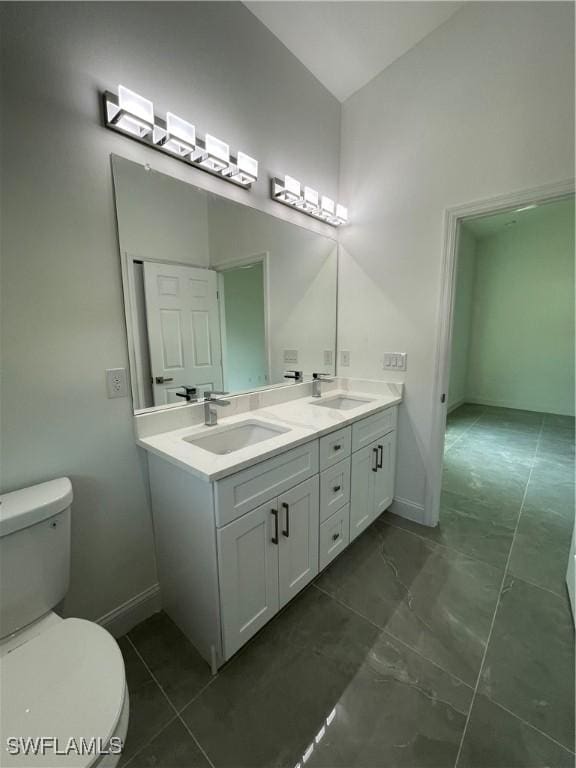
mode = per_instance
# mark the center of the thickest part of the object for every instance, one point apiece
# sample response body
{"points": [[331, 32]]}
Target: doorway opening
{"points": [[506, 495]]}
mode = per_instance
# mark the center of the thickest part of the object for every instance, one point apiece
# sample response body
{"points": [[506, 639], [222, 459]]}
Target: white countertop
{"points": [[304, 419]]}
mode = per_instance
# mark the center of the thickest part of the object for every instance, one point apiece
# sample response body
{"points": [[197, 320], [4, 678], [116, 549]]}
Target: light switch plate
{"points": [[345, 358], [290, 356], [395, 361], [328, 357], [116, 382]]}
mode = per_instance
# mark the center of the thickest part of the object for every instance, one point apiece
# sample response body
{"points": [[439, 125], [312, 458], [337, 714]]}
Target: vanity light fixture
{"points": [[288, 192], [131, 114]]}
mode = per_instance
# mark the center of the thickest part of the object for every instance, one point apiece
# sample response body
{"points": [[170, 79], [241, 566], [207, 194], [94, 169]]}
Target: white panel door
{"points": [[183, 329], [248, 571], [364, 470], [384, 477], [299, 528]]}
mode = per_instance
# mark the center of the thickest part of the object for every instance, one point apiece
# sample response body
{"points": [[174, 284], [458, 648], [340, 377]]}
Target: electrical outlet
{"points": [[328, 357], [116, 382], [395, 361], [345, 359], [291, 356]]}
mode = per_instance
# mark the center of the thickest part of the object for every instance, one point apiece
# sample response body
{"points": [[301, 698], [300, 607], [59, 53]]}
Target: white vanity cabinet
{"points": [[233, 551], [373, 469]]}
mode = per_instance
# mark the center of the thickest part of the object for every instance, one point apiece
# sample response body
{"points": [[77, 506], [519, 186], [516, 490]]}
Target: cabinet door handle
{"points": [[380, 456], [335, 536], [286, 531], [337, 447], [336, 488], [275, 537], [375, 466]]}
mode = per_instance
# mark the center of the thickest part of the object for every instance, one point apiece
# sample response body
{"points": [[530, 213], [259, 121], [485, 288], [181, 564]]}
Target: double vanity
{"points": [[248, 512]]}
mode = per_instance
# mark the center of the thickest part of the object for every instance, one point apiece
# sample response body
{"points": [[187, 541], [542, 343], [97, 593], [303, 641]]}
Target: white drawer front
{"points": [[366, 431], [334, 535], [239, 493], [334, 488], [334, 447]]}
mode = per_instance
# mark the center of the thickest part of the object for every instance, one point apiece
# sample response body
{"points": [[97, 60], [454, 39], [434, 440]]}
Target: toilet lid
{"points": [[67, 683]]}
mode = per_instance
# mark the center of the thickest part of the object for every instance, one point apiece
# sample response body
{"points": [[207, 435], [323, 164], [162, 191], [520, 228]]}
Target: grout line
{"points": [[148, 742], [468, 428], [386, 631], [530, 725], [498, 601], [177, 713]]}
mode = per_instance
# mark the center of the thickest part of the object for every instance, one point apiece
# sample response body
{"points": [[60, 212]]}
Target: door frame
{"points": [[225, 266], [445, 315]]}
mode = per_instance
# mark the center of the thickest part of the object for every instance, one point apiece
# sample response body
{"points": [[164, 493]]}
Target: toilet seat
{"points": [[67, 682]]}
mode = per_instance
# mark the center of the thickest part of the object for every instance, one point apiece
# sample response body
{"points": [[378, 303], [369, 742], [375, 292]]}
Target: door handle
{"points": [[286, 531], [275, 515], [375, 467], [162, 380], [380, 456]]}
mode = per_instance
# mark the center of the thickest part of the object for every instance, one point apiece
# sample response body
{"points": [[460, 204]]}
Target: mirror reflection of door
{"points": [[183, 329], [243, 315]]}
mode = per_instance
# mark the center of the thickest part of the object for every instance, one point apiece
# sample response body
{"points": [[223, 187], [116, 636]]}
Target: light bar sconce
{"points": [[288, 191], [133, 115]]}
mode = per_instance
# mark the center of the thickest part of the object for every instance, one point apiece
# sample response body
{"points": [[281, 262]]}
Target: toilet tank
{"points": [[34, 552]]}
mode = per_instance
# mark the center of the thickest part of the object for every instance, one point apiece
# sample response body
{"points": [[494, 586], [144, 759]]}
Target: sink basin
{"points": [[226, 440], [342, 402]]}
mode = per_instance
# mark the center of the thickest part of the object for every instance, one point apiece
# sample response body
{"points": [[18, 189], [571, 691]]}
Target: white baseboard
{"points": [[539, 408], [409, 510], [122, 619]]}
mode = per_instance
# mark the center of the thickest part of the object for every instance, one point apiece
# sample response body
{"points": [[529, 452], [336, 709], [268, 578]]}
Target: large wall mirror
{"points": [[218, 295]]}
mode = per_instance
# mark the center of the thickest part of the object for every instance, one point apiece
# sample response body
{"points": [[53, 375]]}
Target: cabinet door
{"points": [[299, 527], [364, 470], [384, 478], [248, 570]]}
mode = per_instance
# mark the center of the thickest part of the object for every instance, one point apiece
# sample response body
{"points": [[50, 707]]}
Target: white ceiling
{"points": [[345, 44]]}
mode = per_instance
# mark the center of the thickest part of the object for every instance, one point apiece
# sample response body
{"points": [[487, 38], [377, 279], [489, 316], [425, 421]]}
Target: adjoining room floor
{"points": [[418, 647]]}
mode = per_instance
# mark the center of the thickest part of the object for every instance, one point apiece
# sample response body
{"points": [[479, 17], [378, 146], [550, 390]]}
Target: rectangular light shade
{"points": [[327, 207], [136, 114], [217, 156], [245, 171], [341, 213], [181, 135], [309, 201]]}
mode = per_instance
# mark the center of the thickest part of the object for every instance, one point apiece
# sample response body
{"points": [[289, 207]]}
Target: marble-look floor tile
{"points": [[398, 710], [269, 702], [542, 545], [509, 446], [149, 709], [173, 660], [497, 739], [469, 526], [529, 665], [438, 601], [172, 748]]}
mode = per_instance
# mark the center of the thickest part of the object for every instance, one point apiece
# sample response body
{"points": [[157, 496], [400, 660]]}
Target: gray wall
{"points": [[216, 65]]}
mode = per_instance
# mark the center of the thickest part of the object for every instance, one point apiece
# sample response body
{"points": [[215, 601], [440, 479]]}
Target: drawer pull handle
{"points": [[337, 447], [375, 466], [335, 536], [286, 531], [275, 537], [336, 488], [380, 456]]}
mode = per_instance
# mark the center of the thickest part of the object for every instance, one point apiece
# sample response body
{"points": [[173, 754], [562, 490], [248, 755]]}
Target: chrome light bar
{"points": [[288, 191]]}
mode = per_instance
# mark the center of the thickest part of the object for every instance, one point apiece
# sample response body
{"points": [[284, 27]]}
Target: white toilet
{"points": [[63, 687]]}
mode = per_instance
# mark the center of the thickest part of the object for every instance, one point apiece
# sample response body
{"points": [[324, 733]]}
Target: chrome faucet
{"points": [[211, 414], [317, 379], [298, 376]]}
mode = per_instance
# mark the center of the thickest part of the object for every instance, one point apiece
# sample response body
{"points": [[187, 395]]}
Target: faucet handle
{"points": [[296, 375], [190, 392], [208, 394], [321, 376]]}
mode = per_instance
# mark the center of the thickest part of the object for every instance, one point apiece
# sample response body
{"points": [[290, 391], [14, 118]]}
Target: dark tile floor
{"points": [[418, 647]]}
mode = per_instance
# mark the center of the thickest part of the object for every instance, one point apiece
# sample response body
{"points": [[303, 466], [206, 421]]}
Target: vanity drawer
{"points": [[334, 535], [334, 488], [366, 431], [334, 447], [239, 493]]}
